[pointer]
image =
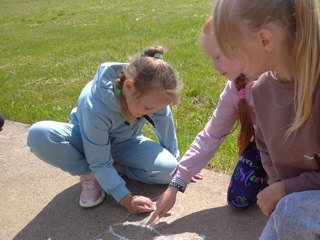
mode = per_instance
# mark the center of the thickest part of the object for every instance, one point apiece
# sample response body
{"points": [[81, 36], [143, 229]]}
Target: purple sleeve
{"points": [[209, 139]]}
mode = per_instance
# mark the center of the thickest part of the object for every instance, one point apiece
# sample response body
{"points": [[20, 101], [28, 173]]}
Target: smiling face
{"points": [[229, 68], [147, 104]]}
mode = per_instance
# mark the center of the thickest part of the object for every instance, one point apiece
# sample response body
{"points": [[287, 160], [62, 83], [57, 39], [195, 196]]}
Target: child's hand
{"points": [[197, 177], [268, 198], [137, 204], [164, 204]]}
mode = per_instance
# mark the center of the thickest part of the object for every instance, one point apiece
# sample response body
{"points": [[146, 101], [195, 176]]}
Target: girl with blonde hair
{"points": [[280, 39]]}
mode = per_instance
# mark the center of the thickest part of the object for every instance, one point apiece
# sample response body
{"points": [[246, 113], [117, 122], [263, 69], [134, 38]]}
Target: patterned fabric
{"points": [[247, 180]]}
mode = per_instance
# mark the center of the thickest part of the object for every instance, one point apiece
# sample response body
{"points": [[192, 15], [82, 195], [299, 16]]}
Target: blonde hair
{"points": [[246, 132], [299, 18], [149, 74]]}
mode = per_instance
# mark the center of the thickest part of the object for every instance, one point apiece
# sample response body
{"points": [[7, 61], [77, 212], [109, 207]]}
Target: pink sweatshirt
{"points": [[209, 139], [294, 160]]}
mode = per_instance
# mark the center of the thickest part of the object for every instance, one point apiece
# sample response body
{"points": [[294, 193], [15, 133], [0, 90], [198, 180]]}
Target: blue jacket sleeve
{"points": [[165, 130], [96, 144]]}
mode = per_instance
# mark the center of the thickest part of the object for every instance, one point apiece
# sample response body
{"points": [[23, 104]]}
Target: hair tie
{"points": [[118, 91], [158, 56], [242, 93]]}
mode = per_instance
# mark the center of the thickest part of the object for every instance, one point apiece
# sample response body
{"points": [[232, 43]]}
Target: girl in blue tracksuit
{"points": [[103, 140]]}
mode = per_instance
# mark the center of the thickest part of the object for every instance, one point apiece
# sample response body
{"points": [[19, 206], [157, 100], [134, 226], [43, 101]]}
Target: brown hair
{"points": [[246, 133], [300, 20], [149, 72]]}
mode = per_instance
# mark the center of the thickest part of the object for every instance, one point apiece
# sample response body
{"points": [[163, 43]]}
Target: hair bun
{"points": [[153, 51]]}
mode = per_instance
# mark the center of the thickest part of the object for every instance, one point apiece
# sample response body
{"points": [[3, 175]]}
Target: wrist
{"points": [[126, 201], [179, 184], [172, 189], [281, 190]]}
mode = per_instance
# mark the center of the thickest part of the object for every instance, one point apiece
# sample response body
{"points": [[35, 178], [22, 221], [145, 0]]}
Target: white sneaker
{"points": [[92, 194]]}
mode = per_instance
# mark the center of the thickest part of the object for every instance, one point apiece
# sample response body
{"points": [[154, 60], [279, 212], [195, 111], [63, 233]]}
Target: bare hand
{"points": [[268, 198], [197, 177], [137, 204], [164, 204]]}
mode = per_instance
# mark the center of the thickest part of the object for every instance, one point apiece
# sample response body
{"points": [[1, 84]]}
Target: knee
{"points": [[159, 177], [238, 202], [162, 175], [170, 163], [39, 137], [240, 198], [35, 135]]}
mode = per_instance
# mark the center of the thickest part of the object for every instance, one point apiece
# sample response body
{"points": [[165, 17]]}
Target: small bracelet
{"points": [[178, 184]]}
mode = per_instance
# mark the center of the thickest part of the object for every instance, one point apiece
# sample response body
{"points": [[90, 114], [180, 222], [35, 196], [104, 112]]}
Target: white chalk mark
{"points": [[152, 228]]}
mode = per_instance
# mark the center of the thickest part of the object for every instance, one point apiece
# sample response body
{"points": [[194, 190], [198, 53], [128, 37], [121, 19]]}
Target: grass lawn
{"points": [[50, 49]]}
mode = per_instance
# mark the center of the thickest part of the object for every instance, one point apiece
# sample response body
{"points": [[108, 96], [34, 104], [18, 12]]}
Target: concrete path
{"points": [[41, 202]]}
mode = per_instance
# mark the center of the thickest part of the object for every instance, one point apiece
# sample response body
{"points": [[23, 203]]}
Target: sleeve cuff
{"points": [[178, 184], [119, 192]]}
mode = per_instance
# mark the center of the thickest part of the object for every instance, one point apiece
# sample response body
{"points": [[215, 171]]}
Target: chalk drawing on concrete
{"points": [[135, 225]]}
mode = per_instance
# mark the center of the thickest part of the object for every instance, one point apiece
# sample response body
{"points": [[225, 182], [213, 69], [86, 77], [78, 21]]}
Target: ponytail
{"points": [[246, 134], [306, 56]]}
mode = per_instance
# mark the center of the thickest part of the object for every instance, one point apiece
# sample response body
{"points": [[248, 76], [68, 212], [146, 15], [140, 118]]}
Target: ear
{"points": [[267, 40], [127, 85]]}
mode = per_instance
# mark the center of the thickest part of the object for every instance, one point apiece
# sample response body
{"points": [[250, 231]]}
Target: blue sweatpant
{"points": [[297, 216], [247, 180], [139, 158]]}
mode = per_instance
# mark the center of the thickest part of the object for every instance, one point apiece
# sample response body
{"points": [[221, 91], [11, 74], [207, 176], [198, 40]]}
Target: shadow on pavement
{"points": [[63, 218]]}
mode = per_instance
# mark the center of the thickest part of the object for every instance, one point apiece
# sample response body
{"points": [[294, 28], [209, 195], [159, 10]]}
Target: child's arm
{"points": [[202, 149], [209, 139], [96, 144]]}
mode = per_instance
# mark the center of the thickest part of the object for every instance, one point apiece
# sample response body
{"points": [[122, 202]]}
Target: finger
{"points": [[167, 214], [196, 177], [141, 209], [144, 209], [145, 206], [194, 180], [199, 176], [144, 198], [154, 215], [149, 201], [143, 201], [149, 204]]}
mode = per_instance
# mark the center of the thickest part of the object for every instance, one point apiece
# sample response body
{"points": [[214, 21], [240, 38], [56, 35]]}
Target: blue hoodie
{"points": [[102, 124]]}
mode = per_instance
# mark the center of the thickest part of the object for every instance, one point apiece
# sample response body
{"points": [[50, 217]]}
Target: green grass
{"points": [[50, 49]]}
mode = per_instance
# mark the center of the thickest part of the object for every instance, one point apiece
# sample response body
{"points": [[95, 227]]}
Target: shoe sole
{"points": [[93, 204]]}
